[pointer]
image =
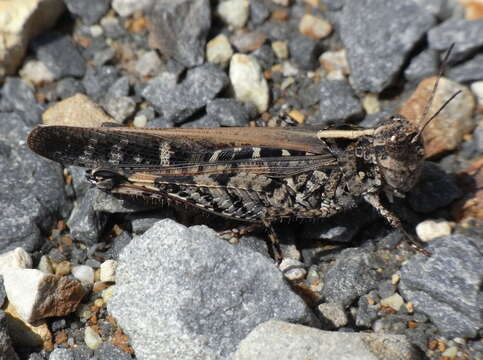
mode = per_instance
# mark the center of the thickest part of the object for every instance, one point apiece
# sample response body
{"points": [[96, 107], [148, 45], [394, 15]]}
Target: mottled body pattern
{"points": [[250, 174]]}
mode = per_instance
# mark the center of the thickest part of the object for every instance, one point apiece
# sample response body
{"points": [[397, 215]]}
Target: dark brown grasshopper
{"points": [[259, 175]]}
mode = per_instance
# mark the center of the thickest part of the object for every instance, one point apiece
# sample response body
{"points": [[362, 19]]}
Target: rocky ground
{"points": [[89, 276]]}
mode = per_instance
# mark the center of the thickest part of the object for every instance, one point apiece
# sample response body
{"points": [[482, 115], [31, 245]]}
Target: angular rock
{"points": [[423, 65], [302, 342], [233, 12], [446, 131], [77, 353], [314, 27], [179, 29], [179, 101], [447, 285], [37, 295], [201, 291], [89, 11], [248, 82], [470, 70], [77, 110], [20, 22], [120, 108], [228, 112], [149, 64], [60, 55], [338, 102], [34, 203], [21, 99], [305, 52], [97, 81], [219, 50], [333, 315], [464, 34], [247, 41], [119, 88], [367, 24], [68, 87], [353, 274]]}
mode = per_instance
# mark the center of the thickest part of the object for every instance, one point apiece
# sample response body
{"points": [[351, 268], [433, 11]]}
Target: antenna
{"points": [[433, 93]]}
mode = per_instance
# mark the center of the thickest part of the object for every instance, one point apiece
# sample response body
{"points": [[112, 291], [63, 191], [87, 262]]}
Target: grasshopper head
{"points": [[399, 154]]}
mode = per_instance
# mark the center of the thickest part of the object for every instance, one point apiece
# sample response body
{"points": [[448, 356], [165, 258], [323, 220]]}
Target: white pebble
{"points": [[292, 269], [45, 265], [219, 50], [430, 229], [92, 338], [96, 30], [35, 72], [234, 12], [128, 7], [15, 259], [477, 89], [280, 48], [394, 301], [83, 273], [148, 64], [108, 271], [248, 82], [140, 121], [108, 293]]}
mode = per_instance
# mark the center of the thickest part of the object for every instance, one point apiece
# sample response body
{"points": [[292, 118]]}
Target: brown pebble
{"points": [[247, 41]]}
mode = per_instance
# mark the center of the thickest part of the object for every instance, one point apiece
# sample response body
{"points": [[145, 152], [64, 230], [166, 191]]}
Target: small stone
{"points": [[280, 48], [394, 301], [96, 30], [248, 41], [89, 11], [68, 87], [36, 73], [297, 116], [430, 229], [335, 61], [15, 259], [464, 34], [20, 98], [129, 7], [422, 66], [446, 131], [234, 12], [477, 89], [305, 52], [62, 268], [370, 103], [248, 82], [148, 64], [187, 22], [92, 338], [473, 9], [219, 50], [37, 295], [338, 102], [45, 265], [292, 269], [282, 2], [450, 352], [108, 271], [314, 27], [140, 121], [97, 81], [83, 273], [60, 55], [120, 108], [259, 12], [108, 293], [228, 112], [333, 315], [470, 70], [77, 110]]}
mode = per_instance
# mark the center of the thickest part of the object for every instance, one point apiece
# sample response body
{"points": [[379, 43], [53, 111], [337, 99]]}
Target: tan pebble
{"points": [[314, 27]]}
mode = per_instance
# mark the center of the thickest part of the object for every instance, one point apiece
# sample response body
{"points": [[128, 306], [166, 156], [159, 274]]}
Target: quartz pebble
{"points": [[234, 12], [83, 273], [15, 259], [431, 229], [477, 89], [219, 50], [280, 48], [292, 269], [333, 313], [92, 338], [394, 301], [108, 270], [314, 27]]}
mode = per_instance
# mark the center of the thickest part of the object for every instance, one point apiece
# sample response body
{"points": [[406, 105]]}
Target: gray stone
{"points": [[353, 274], [142, 222], [206, 121], [119, 88], [97, 81], [367, 311], [447, 285], [305, 52], [108, 351], [338, 102], [7, 352], [84, 223], [120, 108], [423, 65], [179, 101], [35, 202], [259, 12], [333, 5], [436, 7], [103, 56], [184, 293], [89, 11], [275, 340], [21, 99], [435, 189], [464, 34], [228, 112], [77, 353], [68, 87], [332, 315], [379, 35], [179, 29], [470, 70], [60, 55]]}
